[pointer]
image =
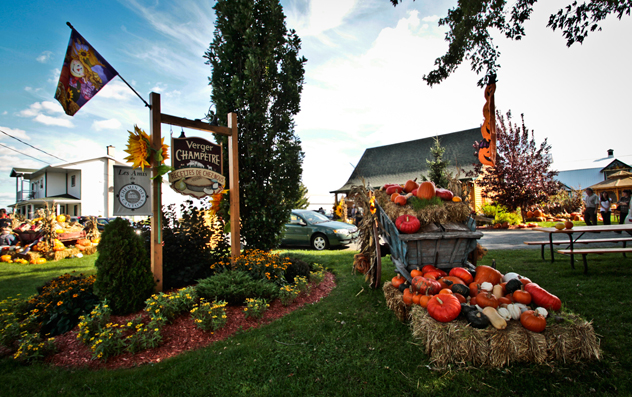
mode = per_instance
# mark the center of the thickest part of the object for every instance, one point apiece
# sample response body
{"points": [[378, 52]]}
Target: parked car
{"points": [[310, 228]]}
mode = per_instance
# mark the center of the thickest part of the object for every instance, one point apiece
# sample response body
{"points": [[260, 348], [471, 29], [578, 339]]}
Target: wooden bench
{"points": [[543, 243], [587, 251]]}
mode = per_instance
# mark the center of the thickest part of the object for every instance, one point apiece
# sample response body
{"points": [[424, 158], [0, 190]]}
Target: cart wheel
{"points": [[378, 259]]}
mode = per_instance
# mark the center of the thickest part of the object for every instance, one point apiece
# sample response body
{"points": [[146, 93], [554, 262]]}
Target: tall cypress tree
{"points": [[438, 166], [258, 74]]}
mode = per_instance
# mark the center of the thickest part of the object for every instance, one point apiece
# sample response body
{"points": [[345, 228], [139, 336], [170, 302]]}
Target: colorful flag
{"points": [[83, 74]]}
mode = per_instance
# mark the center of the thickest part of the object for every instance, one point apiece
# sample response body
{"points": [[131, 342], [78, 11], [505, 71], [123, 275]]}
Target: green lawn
{"points": [[349, 344]]}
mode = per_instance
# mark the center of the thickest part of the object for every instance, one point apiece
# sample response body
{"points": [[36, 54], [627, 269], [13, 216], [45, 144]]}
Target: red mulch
{"points": [[180, 336]]}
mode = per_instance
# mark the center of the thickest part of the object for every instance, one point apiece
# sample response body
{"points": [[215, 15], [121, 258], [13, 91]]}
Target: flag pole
{"points": [[118, 74]]}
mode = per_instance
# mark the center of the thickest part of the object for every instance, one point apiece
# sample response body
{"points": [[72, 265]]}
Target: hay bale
{"points": [[458, 343], [89, 250], [394, 301]]}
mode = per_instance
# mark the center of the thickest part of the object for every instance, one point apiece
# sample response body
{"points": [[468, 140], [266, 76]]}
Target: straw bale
{"points": [[394, 301], [456, 342], [448, 212]]}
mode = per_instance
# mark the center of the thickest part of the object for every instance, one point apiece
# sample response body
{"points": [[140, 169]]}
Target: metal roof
{"points": [[400, 162]]}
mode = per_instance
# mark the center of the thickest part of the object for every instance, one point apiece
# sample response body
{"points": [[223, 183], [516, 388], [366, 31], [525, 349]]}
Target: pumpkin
{"points": [[428, 268], [425, 285], [444, 194], [407, 224], [457, 199], [400, 200], [497, 321], [487, 273], [85, 242], [426, 190], [423, 301], [444, 308], [529, 214], [416, 298], [485, 299], [41, 261], [504, 300], [513, 285], [514, 311], [394, 196], [393, 189], [460, 289], [463, 274], [448, 281], [446, 291], [477, 319], [533, 321], [411, 185], [568, 224], [460, 297], [504, 313], [397, 280], [408, 296], [5, 258], [521, 296], [61, 218], [475, 288], [542, 297], [416, 272]]}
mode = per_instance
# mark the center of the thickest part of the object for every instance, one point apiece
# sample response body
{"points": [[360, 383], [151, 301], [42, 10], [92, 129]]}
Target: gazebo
{"points": [[614, 185]]}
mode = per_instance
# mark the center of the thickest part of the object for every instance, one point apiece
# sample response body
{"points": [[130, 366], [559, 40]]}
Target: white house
{"points": [[581, 174], [84, 187]]}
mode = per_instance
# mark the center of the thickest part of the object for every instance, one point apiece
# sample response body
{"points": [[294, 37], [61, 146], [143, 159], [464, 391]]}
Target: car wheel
{"points": [[320, 242]]}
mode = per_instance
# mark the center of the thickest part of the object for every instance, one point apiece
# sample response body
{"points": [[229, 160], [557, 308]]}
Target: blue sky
{"points": [[363, 81]]}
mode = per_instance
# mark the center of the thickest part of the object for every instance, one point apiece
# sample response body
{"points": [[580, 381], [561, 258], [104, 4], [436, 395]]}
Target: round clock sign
{"points": [[132, 196]]}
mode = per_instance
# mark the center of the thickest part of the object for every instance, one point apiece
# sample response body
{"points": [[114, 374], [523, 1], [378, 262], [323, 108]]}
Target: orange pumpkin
{"points": [[487, 273], [426, 190]]}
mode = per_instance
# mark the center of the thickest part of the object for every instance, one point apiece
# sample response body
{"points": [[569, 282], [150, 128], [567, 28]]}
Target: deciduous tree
{"points": [[471, 22], [258, 74], [522, 177]]}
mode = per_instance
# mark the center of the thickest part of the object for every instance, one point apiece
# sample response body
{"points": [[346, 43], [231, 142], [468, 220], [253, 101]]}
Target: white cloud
{"points": [[116, 90], [111, 124], [432, 18], [58, 121], [15, 132], [323, 16], [44, 57]]}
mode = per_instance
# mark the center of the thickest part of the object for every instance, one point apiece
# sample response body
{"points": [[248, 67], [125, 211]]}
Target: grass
{"points": [[349, 344]]}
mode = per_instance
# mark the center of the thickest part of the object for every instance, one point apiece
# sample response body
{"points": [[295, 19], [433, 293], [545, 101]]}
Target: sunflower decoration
{"points": [[372, 207], [140, 152]]}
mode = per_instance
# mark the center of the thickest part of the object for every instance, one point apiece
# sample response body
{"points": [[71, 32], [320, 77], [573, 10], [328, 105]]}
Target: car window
{"points": [[314, 217], [295, 219]]}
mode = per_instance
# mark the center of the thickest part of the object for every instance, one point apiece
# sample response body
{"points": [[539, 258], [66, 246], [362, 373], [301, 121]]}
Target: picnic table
{"points": [[579, 231]]}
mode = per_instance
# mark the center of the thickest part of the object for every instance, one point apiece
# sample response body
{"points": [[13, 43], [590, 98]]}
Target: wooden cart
{"points": [[444, 246]]}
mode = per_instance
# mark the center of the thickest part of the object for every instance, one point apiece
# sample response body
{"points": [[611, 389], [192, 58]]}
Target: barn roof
{"points": [[399, 162]]}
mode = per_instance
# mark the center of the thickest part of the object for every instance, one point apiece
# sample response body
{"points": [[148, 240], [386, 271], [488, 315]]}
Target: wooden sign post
{"points": [[156, 120]]}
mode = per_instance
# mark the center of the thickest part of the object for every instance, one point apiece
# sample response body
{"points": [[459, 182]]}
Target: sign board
{"points": [[132, 187], [197, 165]]}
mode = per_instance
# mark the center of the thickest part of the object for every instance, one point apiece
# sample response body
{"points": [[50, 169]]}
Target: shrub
{"points": [[235, 287], [124, 277], [193, 242], [260, 265], [296, 267], [32, 347], [61, 301]]}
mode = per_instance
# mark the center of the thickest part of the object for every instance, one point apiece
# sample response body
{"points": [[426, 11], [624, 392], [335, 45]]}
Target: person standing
{"points": [[591, 201], [624, 205], [604, 207]]}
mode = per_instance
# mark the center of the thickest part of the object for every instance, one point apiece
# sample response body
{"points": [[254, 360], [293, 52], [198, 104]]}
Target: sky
{"points": [[363, 83]]}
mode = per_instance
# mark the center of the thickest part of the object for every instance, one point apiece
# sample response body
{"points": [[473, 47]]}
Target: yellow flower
{"points": [[138, 148]]}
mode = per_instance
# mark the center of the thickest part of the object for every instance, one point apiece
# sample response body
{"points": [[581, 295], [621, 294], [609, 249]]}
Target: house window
{"points": [[75, 211], [72, 180]]}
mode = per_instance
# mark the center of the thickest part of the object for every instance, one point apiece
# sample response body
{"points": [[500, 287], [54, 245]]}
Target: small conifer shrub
{"points": [[124, 274]]}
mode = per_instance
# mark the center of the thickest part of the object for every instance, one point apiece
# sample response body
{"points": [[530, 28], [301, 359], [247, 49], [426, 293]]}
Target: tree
{"points": [[471, 21], [438, 166], [303, 201], [522, 177], [257, 73]]}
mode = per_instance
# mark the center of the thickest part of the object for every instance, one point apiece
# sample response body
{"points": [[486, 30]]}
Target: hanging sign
{"points": [[197, 167], [132, 187]]}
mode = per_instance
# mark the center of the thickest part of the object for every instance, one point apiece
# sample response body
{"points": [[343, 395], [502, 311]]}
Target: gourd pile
{"points": [[411, 205], [485, 298], [59, 225]]}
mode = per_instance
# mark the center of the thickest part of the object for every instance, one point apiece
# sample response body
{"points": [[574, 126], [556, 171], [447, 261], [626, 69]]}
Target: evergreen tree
{"points": [[124, 274], [303, 201], [258, 74], [438, 166]]}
